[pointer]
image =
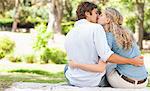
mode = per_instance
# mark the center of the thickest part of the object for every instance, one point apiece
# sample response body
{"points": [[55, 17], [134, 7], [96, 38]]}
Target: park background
{"points": [[32, 34]]}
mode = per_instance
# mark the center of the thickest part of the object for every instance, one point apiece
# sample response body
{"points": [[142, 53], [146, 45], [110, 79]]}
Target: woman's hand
{"points": [[138, 61], [72, 64], [102, 63]]}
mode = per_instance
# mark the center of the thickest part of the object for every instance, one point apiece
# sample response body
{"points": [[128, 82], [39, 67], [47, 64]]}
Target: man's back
{"points": [[80, 46]]}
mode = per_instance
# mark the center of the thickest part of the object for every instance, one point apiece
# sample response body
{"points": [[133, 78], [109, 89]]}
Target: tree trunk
{"points": [[139, 24], [55, 15], [51, 16], [16, 16], [58, 12]]}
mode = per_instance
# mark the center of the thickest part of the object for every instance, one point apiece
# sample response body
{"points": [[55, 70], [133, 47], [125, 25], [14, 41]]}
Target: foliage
{"points": [[6, 46], [66, 27], [128, 10], [39, 14], [6, 5], [6, 21], [30, 14], [44, 55], [57, 56], [29, 58], [130, 22], [42, 37], [2, 54], [147, 20], [14, 58]]}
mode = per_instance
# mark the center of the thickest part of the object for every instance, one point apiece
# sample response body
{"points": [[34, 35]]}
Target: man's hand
{"points": [[72, 64], [137, 61]]}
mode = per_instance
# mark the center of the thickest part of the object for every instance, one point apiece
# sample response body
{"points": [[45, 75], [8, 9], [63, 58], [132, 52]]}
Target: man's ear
{"points": [[87, 14]]}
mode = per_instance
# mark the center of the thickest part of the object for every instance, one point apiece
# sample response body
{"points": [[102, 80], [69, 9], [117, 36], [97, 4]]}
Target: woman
{"points": [[122, 43]]}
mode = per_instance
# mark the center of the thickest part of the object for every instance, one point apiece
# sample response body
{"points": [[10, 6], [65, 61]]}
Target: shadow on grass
{"points": [[39, 72], [25, 75]]}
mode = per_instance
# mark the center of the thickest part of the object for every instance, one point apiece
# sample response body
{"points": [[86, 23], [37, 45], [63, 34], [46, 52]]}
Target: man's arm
{"points": [[100, 67]]}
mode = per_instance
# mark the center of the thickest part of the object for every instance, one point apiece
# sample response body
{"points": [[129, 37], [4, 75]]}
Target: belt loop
{"points": [[136, 82]]}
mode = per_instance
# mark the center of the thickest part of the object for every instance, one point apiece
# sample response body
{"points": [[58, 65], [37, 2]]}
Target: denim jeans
{"points": [[65, 69], [104, 82]]}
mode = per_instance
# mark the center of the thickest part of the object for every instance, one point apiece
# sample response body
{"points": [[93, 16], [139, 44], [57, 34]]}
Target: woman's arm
{"points": [[100, 67], [137, 61]]}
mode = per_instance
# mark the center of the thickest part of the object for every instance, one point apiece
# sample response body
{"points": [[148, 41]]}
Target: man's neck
{"points": [[88, 20]]}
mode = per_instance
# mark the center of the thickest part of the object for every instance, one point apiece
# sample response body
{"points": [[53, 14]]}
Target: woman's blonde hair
{"points": [[123, 36]]}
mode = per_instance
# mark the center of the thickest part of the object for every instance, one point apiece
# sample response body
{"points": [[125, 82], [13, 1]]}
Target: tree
{"points": [[135, 9], [6, 5], [16, 16], [51, 19], [140, 21], [68, 7], [55, 15]]}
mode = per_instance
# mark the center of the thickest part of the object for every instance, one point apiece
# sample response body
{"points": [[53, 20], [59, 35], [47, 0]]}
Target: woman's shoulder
{"points": [[109, 35]]}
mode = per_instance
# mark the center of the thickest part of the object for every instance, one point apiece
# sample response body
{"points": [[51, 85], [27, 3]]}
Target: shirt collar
{"points": [[80, 22]]}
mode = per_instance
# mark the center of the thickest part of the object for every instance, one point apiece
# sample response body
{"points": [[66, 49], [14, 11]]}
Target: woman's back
{"points": [[127, 70]]}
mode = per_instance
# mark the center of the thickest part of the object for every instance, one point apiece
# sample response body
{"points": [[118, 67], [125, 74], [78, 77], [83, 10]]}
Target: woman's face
{"points": [[102, 19]]}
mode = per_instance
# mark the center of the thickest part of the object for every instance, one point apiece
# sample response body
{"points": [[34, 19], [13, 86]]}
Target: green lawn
{"points": [[26, 75], [21, 72], [41, 73]]}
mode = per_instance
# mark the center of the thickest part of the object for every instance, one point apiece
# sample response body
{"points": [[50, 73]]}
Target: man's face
{"points": [[93, 16]]}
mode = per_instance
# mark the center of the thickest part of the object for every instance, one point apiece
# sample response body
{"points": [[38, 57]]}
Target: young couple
{"points": [[97, 41]]}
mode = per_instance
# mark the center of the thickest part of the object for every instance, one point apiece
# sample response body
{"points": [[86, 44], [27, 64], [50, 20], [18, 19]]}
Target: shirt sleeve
{"points": [[101, 44]]}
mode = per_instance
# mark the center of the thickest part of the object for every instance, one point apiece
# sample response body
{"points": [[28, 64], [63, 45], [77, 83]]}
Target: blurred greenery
{"points": [[66, 27], [14, 58], [54, 55], [58, 56], [30, 11], [30, 14], [42, 36], [7, 46], [29, 58]]}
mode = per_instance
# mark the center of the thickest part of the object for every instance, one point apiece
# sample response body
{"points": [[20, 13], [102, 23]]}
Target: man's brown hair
{"points": [[84, 7]]}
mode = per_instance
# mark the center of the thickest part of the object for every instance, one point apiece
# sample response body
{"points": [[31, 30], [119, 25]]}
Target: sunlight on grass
{"points": [[39, 72], [24, 75]]}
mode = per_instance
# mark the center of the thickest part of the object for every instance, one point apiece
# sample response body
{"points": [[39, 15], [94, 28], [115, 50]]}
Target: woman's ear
{"points": [[108, 20]]}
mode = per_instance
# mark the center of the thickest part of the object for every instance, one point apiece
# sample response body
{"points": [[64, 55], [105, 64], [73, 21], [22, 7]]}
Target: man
{"points": [[86, 43]]}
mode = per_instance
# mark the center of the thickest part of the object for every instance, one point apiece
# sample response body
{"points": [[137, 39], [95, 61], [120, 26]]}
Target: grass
{"points": [[148, 84], [26, 75], [38, 73]]}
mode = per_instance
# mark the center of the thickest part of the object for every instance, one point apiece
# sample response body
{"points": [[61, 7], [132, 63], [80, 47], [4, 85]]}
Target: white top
{"points": [[85, 43]]}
